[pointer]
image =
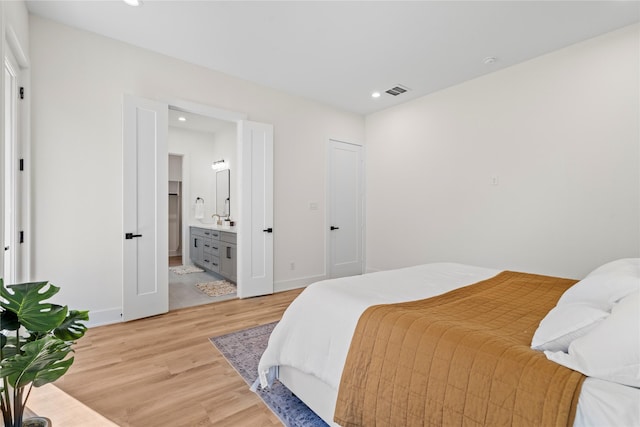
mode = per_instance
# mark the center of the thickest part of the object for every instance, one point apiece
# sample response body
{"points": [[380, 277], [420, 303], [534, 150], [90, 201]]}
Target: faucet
{"points": [[215, 215]]}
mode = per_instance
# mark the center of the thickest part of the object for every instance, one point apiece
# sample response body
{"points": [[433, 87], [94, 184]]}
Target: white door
{"points": [[145, 218], [345, 208], [255, 244], [10, 178]]}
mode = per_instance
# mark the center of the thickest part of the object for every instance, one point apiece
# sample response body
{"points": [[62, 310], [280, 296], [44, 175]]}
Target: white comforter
{"points": [[316, 329]]}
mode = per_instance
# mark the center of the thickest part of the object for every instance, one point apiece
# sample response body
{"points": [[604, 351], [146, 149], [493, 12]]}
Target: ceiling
{"points": [[339, 52], [199, 123]]}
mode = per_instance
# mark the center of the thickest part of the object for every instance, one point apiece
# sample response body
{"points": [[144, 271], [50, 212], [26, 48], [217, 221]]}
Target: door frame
{"points": [[10, 45], [328, 255], [183, 202]]}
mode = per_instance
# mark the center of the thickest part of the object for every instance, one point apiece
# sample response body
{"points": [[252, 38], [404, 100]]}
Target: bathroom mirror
{"points": [[223, 202]]}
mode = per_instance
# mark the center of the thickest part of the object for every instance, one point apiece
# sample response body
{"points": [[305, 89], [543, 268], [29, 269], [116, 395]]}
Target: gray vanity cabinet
{"points": [[214, 250], [228, 264]]}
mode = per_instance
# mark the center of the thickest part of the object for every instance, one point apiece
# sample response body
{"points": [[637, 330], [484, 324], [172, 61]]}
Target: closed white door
{"points": [[345, 208], [255, 244], [10, 177], [145, 187]]}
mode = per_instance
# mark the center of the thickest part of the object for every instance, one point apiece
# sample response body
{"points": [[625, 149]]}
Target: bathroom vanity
{"points": [[214, 249]]}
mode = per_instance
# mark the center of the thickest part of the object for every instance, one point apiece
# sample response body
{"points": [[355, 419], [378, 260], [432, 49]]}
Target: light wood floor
{"points": [[164, 371]]}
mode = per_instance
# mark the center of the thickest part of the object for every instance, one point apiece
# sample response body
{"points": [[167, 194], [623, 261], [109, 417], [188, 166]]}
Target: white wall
{"points": [[198, 151], [175, 167], [78, 82], [561, 133], [15, 19]]}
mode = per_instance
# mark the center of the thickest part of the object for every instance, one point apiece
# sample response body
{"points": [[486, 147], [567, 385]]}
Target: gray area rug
{"points": [[243, 350]]}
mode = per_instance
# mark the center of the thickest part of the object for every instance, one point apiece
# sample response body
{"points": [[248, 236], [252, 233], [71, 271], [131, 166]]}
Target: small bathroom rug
{"points": [[216, 289], [185, 269]]}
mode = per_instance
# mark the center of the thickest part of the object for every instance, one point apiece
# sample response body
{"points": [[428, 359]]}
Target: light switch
{"points": [[313, 206]]}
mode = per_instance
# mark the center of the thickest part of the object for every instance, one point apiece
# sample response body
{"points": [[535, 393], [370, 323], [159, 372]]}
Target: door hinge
{"points": [[21, 92], [21, 165], [21, 236]]}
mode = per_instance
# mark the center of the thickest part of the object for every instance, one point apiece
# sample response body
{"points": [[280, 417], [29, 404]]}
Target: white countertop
{"points": [[214, 227]]}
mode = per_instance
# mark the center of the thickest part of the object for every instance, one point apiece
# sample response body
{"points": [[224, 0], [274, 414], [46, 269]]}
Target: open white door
{"points": [[345, 209], [255, 234], [145, 189]]}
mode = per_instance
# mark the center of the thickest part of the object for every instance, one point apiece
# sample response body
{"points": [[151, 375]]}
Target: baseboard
{"points": [[104, 317], [287, 285]]}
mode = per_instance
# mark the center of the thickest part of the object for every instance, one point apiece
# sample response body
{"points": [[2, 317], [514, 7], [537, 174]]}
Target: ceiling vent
{"points": [[397, 90]]}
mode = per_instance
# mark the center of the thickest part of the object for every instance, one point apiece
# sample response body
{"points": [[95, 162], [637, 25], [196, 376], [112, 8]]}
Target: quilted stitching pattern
{"points": [[459, 359]]}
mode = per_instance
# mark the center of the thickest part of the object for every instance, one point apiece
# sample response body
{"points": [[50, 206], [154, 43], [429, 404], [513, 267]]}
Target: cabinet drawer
{"points": [[205, 232], [195, 231], [212, 263], [214, 234], [228, 237], [211, 247]]}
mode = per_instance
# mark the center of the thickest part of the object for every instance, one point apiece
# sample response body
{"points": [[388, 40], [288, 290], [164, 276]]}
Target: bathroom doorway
{"points": [[146, 127], [195, 143], [175, 210]]}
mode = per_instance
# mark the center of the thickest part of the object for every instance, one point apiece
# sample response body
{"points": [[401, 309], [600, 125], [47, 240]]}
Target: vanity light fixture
{"points": [[219, 165], [182, 118], [134, 3], [375, 95]]}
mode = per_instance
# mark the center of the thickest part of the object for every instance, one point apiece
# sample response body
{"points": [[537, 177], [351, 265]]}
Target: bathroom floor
{"points": [[183, 292]]}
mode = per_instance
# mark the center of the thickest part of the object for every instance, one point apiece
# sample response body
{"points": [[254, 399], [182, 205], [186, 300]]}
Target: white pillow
{"points": [[611, 351], [565, 323], [601, 291], [587, 303], [625, 266]]}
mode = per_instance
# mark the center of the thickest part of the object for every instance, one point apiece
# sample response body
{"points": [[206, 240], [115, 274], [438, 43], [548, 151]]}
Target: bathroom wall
{"points": [[197, 149]]}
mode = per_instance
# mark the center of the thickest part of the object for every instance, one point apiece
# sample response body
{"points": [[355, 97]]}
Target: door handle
{"points": [[268, 230], [130, 236], [334, 228]]}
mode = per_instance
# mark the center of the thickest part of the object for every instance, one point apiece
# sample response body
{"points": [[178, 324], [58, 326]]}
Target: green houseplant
{"points": [[35, 341]]}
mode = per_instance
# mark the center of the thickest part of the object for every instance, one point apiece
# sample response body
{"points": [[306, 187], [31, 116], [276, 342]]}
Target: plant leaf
{"points": [[10, 345], [71, 328], [43, 362], [25, 300], [9, 321]]}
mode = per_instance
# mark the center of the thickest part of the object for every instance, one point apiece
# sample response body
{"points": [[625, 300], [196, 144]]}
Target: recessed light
{"points": [[489, 60], [134, 3], [182, 119], [375, 95]]}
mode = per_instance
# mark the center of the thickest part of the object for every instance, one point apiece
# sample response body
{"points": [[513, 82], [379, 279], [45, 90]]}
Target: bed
{"points": [[592, 329]]}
